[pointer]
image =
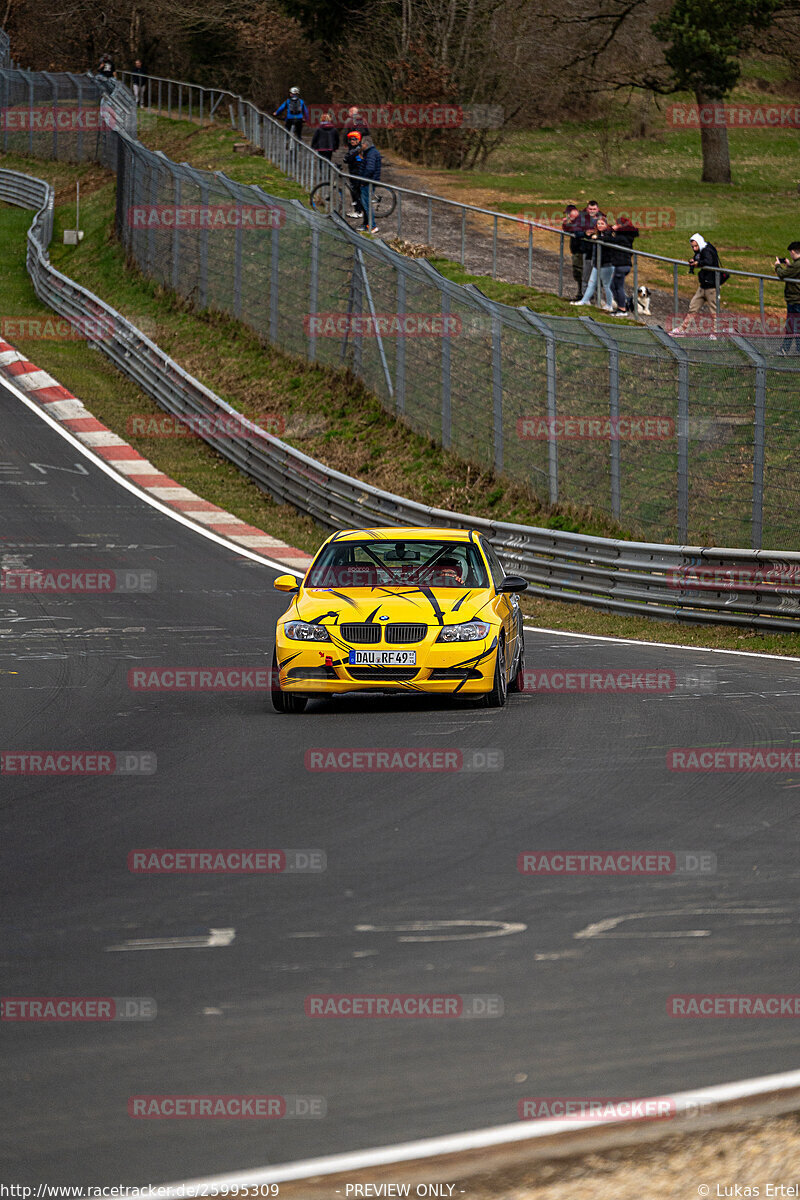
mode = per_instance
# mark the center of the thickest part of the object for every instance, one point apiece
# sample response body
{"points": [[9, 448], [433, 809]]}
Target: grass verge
{"points": [[329, 414]]}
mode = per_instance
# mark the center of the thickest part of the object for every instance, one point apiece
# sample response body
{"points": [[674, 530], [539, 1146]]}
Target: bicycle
{"points": [[333, 196]]}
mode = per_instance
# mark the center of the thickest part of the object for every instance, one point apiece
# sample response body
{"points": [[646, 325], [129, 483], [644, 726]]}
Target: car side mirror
{"points": [[286, 583], [512, 583]]}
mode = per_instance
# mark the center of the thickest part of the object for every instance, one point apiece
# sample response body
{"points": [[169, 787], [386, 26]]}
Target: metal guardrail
{"points": [[190, 101], [749, 588]]}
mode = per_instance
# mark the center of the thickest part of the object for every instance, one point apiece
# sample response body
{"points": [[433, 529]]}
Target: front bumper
{"points": [[321, 668]]}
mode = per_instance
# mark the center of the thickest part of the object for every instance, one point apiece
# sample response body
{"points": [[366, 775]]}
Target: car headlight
{"points": [[470, 631], [301, 631]]}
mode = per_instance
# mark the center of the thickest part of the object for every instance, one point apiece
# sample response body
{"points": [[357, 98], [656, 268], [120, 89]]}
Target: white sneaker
{"points": [[354, 213], [581, 303]]}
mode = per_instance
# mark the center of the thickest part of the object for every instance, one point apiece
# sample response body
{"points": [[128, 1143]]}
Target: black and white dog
{"points": [[643, 301]]}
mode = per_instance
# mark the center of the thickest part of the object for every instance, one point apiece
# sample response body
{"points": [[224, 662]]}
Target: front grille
{"points": [[404, 634], [322, 672], [455, 673], [397, 674], [361, 634]]}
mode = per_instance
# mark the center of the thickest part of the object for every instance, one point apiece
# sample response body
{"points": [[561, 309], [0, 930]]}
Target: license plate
{"points": [[382, 658]]}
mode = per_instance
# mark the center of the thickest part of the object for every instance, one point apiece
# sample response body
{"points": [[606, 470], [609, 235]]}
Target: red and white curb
{"points": [[70, 412]]}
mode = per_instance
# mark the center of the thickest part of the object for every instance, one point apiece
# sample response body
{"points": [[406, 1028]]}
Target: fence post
{"points": [[30, 115], [447, 429], [274, 284], [381, 351], [313, 299], [400, 352], [176, 236], [760, 406], [550, 355], [602, 335], [682, 359]]}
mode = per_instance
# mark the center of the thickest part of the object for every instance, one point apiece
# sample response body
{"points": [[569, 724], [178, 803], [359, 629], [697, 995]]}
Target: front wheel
{"points": [[284, 702], [326, 198], [496, 698], [517, 682]]}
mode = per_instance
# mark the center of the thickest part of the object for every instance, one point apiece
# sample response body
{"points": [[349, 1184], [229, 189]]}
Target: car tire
{"points": [[496, 698], [284, 702], [517, 681]]}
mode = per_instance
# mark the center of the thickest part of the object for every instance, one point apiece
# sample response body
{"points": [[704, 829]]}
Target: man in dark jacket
{"points": [[294, 112], [572, 225], [788, 269], [364, 164], [138, 81], [326, 137]]}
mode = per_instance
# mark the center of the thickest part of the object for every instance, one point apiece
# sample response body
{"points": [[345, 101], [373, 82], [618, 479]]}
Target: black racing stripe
{"points": [[318, 620], [434, 603], [341, 596], [285, 662], [458, 603], [370, 620]]}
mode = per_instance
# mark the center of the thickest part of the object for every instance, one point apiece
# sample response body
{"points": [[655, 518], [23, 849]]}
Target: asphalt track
{"points": [[583, 1016]]}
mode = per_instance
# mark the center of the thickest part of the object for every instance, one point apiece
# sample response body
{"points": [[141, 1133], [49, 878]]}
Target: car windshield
{"points": [[385, 563]]}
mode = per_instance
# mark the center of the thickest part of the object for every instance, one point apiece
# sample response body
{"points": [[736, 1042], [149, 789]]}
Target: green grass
{"points": [[256, 379], [748, 221]]}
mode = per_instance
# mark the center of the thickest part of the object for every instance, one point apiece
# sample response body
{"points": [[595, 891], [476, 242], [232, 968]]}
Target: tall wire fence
{"points": [[691, 441]]}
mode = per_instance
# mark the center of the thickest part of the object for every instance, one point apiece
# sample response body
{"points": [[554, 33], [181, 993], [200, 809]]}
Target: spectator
{"points": [[705, 258], [364, 164], [788, 269], [356, 122], [573, 226], [138, 81], [598, 239], [624, 233], [588, 219], [326, 137], [295, 112], [106, 67]]}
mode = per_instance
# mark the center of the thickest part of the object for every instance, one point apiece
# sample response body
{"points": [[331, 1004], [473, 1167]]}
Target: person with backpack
{"points": [[106, 67], [295, 112], [326, 137], [364, 164], [705, 258]]}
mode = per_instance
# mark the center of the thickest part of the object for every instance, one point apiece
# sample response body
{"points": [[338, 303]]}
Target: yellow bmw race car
{"points": [[400, 610]]}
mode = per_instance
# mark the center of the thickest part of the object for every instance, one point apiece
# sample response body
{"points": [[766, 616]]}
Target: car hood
{"points": [[420, 605]]}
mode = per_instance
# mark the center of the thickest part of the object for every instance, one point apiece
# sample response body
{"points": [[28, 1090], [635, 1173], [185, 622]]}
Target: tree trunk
{"points": [[714, 146]]}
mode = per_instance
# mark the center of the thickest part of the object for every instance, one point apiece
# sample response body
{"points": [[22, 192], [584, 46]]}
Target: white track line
{"points": [[380, 1156], [242, 551], [596, 637]]}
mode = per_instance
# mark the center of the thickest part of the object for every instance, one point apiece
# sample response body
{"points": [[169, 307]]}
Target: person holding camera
{"points": [[788, 269], [705, 258]]}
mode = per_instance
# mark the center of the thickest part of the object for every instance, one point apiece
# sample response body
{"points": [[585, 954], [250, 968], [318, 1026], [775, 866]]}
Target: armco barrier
{"points": [[738, 587], [564, 405]]}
